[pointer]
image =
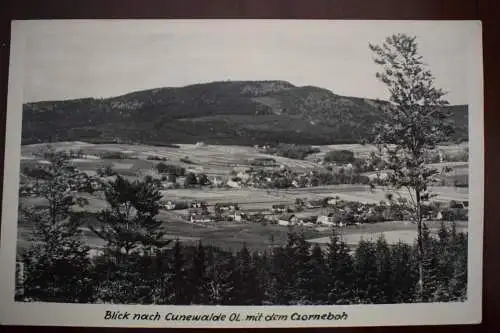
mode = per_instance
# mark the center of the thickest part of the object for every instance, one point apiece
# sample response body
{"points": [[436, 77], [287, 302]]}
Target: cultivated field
{"points": [[210, 159], [360, 150], [393, 232], [220, 160]]}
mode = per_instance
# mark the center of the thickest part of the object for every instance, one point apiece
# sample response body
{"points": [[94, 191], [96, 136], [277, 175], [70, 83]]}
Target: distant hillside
{"points": [[235, 112]]}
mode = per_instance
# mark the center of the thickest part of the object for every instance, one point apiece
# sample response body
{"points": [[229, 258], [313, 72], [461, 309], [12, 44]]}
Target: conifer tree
{"points": [[404, 273], [263, 267], [262, 273], [247, 285], [458, 282], [302, 271], [430, 265], [318, 278], [130, 220], [384, 272], [446, 259], [198, 279], [279, 279], [222, 280], [340, 268], [176, 277], [57, 267], [366, 272]]}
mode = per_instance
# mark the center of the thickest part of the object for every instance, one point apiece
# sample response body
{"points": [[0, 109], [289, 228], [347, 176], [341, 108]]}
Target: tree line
{"points": [[139, 265], [296, 273]]}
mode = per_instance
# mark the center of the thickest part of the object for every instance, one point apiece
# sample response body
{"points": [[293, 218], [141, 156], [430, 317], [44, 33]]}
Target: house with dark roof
{"points": [[279, 208], [287, 219]]}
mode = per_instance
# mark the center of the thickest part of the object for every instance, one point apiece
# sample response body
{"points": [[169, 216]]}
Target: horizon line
{"points": [[206, 83]]}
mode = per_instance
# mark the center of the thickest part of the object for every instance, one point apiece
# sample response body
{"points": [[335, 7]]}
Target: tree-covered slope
{"points": [[230, 112]]}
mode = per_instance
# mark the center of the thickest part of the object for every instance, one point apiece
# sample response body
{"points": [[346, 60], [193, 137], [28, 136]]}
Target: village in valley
{"points": [[166, 166], [223, 188]]}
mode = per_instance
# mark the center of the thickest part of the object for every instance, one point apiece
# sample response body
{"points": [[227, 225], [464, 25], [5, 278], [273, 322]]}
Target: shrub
{"points": [[156, 158], [339, 156], [113, 155], [292, 150], [171, 169]]}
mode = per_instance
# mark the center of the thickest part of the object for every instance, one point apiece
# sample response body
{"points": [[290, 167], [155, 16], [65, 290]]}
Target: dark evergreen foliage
{"points": [[295, 273], [216, 113], [138, 266]]}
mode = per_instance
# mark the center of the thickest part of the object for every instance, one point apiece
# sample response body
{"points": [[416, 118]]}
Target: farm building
{"points": [[314, 204], [332, 201], [238, 216], [288, 219], [199, 218], [168, 185], [233, 183], [377, 175], [280, 208], [199, 204], [217, 181], [307, 216], [330, 219], [170, 205], [327, 219], [222, 207]]}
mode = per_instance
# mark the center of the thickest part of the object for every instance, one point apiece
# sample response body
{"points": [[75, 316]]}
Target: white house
{"points": [[196, 218], [217, 181], [198, 204], [333, 201], [168, 184], [238, 216], [377, 175], [280, 208], [224, 207], [313, 204], [233, 184], [170, 205], [326, 219]]}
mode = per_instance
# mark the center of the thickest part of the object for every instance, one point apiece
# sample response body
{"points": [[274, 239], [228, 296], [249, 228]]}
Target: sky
{"points": [[75, 59]]}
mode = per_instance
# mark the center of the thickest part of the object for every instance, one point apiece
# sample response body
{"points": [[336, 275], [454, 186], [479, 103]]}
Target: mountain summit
{"points": [[229, 112]]}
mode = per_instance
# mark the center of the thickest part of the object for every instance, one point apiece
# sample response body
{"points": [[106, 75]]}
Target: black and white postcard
{"points": [[243, 173]]}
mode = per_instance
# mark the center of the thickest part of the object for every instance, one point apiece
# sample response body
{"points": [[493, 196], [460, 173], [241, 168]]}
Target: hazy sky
{"points": [[72, 59]]}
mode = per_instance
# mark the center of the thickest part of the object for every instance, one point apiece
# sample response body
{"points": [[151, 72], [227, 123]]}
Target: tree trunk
{"points": [[420, 284]]}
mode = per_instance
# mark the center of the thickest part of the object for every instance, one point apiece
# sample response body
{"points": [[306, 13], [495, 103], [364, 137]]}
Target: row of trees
{"points": [[292, 274], [294, 151], [140, 266]]}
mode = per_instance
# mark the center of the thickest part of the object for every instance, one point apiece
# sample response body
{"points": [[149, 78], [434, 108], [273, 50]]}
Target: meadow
{"points": [[221, 160]]}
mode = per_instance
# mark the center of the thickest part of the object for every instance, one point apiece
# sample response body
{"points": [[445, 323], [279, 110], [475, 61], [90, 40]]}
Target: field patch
{"points": [[393, 232]]}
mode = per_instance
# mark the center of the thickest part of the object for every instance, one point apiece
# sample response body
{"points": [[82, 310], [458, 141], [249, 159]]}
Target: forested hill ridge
{"points": [[229, 112]]}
